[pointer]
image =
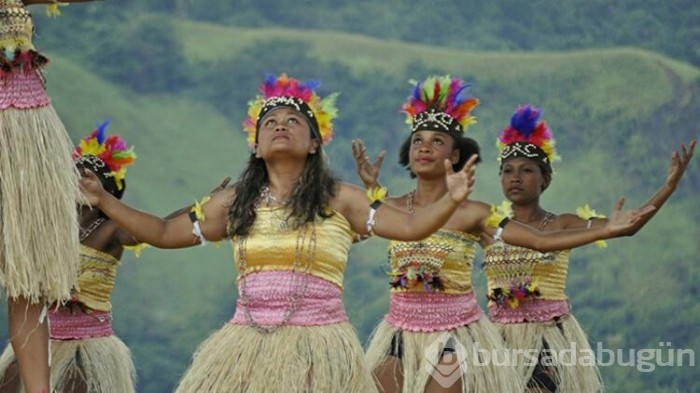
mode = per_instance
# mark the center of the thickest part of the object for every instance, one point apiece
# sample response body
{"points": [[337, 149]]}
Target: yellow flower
{"points": [[498, 213], [197, 208], [137, 249], [52, 9], [376, 193], [586, 213]]}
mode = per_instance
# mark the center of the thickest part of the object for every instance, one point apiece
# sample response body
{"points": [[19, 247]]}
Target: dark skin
{"points": [[110, 239], [29, 334], [429, 147]]}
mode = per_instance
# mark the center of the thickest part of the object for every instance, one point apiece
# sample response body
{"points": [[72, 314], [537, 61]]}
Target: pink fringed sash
{"points": [[532, 311], [429, 312], [67, 326], [22, 90], [272, 294]]}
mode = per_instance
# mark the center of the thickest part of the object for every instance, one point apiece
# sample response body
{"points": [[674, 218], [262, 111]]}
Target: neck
{"points": [[429, 191], [531, 212], [283, 177]]}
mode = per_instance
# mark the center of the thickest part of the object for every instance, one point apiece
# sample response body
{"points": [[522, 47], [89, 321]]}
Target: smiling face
{"points": [[428, 151], [523, 180], [285, 130]]}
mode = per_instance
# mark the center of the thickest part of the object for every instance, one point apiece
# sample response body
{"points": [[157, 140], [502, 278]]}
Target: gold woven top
{"points": [[273, 245], [509, 266], [96, 278], [16, 26], [447, 253]]}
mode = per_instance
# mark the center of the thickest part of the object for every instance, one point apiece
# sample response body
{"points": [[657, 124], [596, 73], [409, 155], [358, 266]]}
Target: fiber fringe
{"points": [[571, 376], [38, 215], [419, 354], [104, 363], [237, 358]]}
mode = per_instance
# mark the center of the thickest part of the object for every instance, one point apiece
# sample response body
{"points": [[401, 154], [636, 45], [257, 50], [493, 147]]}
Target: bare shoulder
{"points": [[569, 221]]}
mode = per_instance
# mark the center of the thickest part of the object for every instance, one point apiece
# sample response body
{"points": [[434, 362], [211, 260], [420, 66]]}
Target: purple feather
{"points": [[525, 119]]}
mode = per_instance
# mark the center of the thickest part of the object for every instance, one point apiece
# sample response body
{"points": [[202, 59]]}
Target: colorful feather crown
{"points": [[440, 103], [107, 155], [527, 137], [284, 91]]}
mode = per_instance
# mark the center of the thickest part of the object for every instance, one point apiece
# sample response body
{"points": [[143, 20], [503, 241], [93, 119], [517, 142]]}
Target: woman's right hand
{"points": [[91, 187], [369, 173]]}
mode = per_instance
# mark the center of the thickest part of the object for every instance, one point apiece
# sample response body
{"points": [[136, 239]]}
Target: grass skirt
{"points": [[38, 215], [420, 353], [103, 363], [573, 375], [295, 359]]}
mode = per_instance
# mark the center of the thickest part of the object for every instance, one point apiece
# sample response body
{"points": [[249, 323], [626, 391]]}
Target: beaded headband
{"points": [[284, 91], [107, 156], [527, 137], [440, 103]]}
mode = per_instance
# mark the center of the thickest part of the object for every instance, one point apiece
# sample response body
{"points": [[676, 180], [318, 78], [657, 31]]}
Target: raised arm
{"points": [[515, 233], [163, 233], [30, 2], [679, 164], [397, 224]]}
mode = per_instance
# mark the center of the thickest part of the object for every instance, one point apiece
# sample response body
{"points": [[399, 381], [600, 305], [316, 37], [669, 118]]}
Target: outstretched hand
{"points": [[369, 172], [622, 221], [91, 187], [221, 186], [679, 163], [460, 184]]}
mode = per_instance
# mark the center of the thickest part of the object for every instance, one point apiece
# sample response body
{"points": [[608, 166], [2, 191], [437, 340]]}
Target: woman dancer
{"points": [[527, 299], [291, 224], [38, 189], [435, 324], [87, 356]]}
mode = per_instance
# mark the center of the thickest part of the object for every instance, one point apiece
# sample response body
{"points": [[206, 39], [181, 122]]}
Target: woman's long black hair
{"points": [[310, 199]]}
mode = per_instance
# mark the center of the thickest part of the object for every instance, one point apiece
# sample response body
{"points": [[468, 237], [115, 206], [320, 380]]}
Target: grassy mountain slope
{"points": [[634, 293]]}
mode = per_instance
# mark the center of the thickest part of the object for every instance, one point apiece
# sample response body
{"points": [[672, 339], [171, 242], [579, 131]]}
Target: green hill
{"points": [[616, 114]]}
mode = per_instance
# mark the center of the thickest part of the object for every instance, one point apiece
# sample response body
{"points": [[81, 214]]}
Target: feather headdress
{"points": [[528, 137], [284, 91], [107, 156], [440, 103]]}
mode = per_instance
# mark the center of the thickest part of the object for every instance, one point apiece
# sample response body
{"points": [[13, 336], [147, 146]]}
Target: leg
{"points": [[448, 362], [30, 341], [10, 381], [389, 375]]}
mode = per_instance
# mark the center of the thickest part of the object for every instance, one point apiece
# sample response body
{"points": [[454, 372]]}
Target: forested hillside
{"points": [[618, 86]]}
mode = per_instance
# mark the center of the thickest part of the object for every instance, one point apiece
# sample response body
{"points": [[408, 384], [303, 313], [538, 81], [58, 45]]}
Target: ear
{"points": [[455, 156], [314, 146], [547, 181]]}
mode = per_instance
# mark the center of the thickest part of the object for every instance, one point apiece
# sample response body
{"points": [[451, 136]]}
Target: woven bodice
{"points": [[98, 271], [16, 27], [507, 266], [320, 250], [446, 257]]}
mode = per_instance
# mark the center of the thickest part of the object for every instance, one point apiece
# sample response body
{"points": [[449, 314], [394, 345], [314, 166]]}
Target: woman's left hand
{"points": [[460, 184], [679, 163]]}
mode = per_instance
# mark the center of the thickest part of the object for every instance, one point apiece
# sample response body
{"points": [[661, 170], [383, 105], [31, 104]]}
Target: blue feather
{"points": [[525, 119], [463, 94], [313, 84], [102, 131]]}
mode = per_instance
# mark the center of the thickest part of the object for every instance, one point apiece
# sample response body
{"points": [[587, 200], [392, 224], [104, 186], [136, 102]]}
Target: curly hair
{"points": [[310, 198], [467, 147]]}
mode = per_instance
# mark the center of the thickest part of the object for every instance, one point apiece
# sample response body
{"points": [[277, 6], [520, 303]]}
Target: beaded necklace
{"points": [[85, 233], [301, 266]]}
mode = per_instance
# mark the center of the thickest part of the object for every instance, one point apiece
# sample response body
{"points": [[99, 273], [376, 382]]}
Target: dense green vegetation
{"points": [[177, 90]]}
